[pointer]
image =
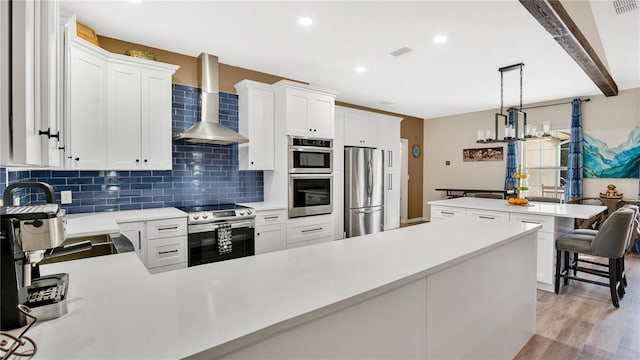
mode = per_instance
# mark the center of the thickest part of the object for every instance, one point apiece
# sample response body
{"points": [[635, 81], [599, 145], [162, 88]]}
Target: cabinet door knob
{"points": [[146, 161], [310, 129], [137, 160], [258, 234], [77, 159], [252, 163], [314, 130]]}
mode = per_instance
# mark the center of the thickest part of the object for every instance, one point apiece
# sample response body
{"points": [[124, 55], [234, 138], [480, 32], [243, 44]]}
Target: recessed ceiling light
{"points": [[440, 39], [305, 21], [361, 69]]}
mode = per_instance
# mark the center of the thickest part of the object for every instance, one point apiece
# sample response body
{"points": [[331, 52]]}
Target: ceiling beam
{"points": [[555, 19]]}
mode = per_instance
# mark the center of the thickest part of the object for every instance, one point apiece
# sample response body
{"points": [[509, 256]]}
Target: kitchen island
{"points": [[556, 220], [425, 291]]}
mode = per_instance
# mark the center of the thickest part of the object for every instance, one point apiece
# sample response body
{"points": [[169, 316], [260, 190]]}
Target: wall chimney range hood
{"points": [[209, 130]]}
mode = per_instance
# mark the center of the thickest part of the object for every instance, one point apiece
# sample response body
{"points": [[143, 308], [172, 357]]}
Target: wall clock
{"points": [[416, 151]]}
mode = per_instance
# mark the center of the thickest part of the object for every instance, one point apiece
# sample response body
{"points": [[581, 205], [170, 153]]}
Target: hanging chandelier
{"points": [[519, 130]]}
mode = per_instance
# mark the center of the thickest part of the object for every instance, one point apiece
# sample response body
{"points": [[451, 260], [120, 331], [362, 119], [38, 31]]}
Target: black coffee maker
{"points": [[26, 233]]}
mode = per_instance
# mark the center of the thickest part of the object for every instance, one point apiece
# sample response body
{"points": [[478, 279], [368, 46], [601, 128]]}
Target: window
{"points": [[545, 161]]}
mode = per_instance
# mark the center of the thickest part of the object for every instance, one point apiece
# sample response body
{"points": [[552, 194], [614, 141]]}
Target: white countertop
{"points": [[100, 223], [264, 206], [118, 310], [538, 208]]}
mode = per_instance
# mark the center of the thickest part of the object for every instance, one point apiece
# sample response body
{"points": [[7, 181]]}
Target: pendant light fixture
{"points": [[517, 131]]}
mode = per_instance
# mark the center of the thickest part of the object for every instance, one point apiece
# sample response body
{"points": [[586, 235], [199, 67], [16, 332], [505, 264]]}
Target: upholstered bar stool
{"points": [[608, 242], [633, 233]]}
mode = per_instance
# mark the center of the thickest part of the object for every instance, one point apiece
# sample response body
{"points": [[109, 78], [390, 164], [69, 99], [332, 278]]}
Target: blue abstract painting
{"points": [[620, 162]]}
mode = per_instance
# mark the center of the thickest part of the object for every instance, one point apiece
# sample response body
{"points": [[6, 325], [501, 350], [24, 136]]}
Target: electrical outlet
{"points": [[65, 197]]}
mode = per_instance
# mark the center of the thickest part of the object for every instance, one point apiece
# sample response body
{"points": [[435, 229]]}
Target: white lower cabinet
{"points": [[552, 228], [161, 245], [446, 212], [171, 251], [338, 204], [134, 231], [391, 200], [270, 231], [309, 230], [488, 215]]}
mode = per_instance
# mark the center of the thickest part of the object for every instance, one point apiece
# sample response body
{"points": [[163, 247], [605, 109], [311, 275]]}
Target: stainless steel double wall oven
{"points": [[310, 179]]}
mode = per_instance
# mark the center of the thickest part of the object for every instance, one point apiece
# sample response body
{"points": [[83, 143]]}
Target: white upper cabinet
{"points": [[309, 110], [156, 149], [139, 118], [124, 115], [338, 141], [118, 110], [389, 141], [36, 108], [360, 128], [256, 123], [86, 123]]}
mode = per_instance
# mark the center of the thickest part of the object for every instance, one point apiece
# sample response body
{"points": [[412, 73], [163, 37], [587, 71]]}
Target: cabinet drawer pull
{"points": [[139, 240], [486, 217], [530, 222], [168, 228], [271, 217], [446, 213], [167, 252], [310, 230]]}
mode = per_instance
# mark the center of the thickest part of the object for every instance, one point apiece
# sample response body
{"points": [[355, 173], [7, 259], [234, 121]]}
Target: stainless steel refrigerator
{"points": [[363, 191]]}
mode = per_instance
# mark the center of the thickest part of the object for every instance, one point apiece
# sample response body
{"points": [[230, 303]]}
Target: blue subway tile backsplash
{"points": [[201, 174]]}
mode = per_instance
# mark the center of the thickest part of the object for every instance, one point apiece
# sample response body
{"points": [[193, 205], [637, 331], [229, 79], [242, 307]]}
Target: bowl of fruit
{"points": [[518, 201]]}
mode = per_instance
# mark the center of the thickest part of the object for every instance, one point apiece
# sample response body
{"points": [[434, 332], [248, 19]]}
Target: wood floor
{"points": [[581, 322]]}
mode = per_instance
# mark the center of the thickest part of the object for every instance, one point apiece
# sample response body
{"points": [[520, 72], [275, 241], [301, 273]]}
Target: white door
{"points": [[404, 181]]}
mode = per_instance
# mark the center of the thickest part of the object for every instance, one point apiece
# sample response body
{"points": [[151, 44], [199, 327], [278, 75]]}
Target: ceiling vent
{"points": [[624, 6], [401, 51]]}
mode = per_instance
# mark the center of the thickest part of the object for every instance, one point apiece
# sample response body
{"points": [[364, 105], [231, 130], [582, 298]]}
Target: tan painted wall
{"points": [[188, 72], [411, 127], [445, 138]]}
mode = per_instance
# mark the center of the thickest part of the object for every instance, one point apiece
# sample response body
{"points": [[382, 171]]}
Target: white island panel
{"points": [[214, 309]]}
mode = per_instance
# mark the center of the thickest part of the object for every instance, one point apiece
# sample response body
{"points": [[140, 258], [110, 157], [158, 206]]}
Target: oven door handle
{"points": [[306, 176], [200, 228], [311, 149], [243, 224]]}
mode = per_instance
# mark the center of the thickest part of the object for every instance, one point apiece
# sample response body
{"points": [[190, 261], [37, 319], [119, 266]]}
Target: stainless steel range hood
{"points": [[209, 130]]}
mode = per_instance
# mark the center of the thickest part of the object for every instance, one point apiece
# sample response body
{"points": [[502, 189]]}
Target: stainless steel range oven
{"points": [[219, 232]]}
